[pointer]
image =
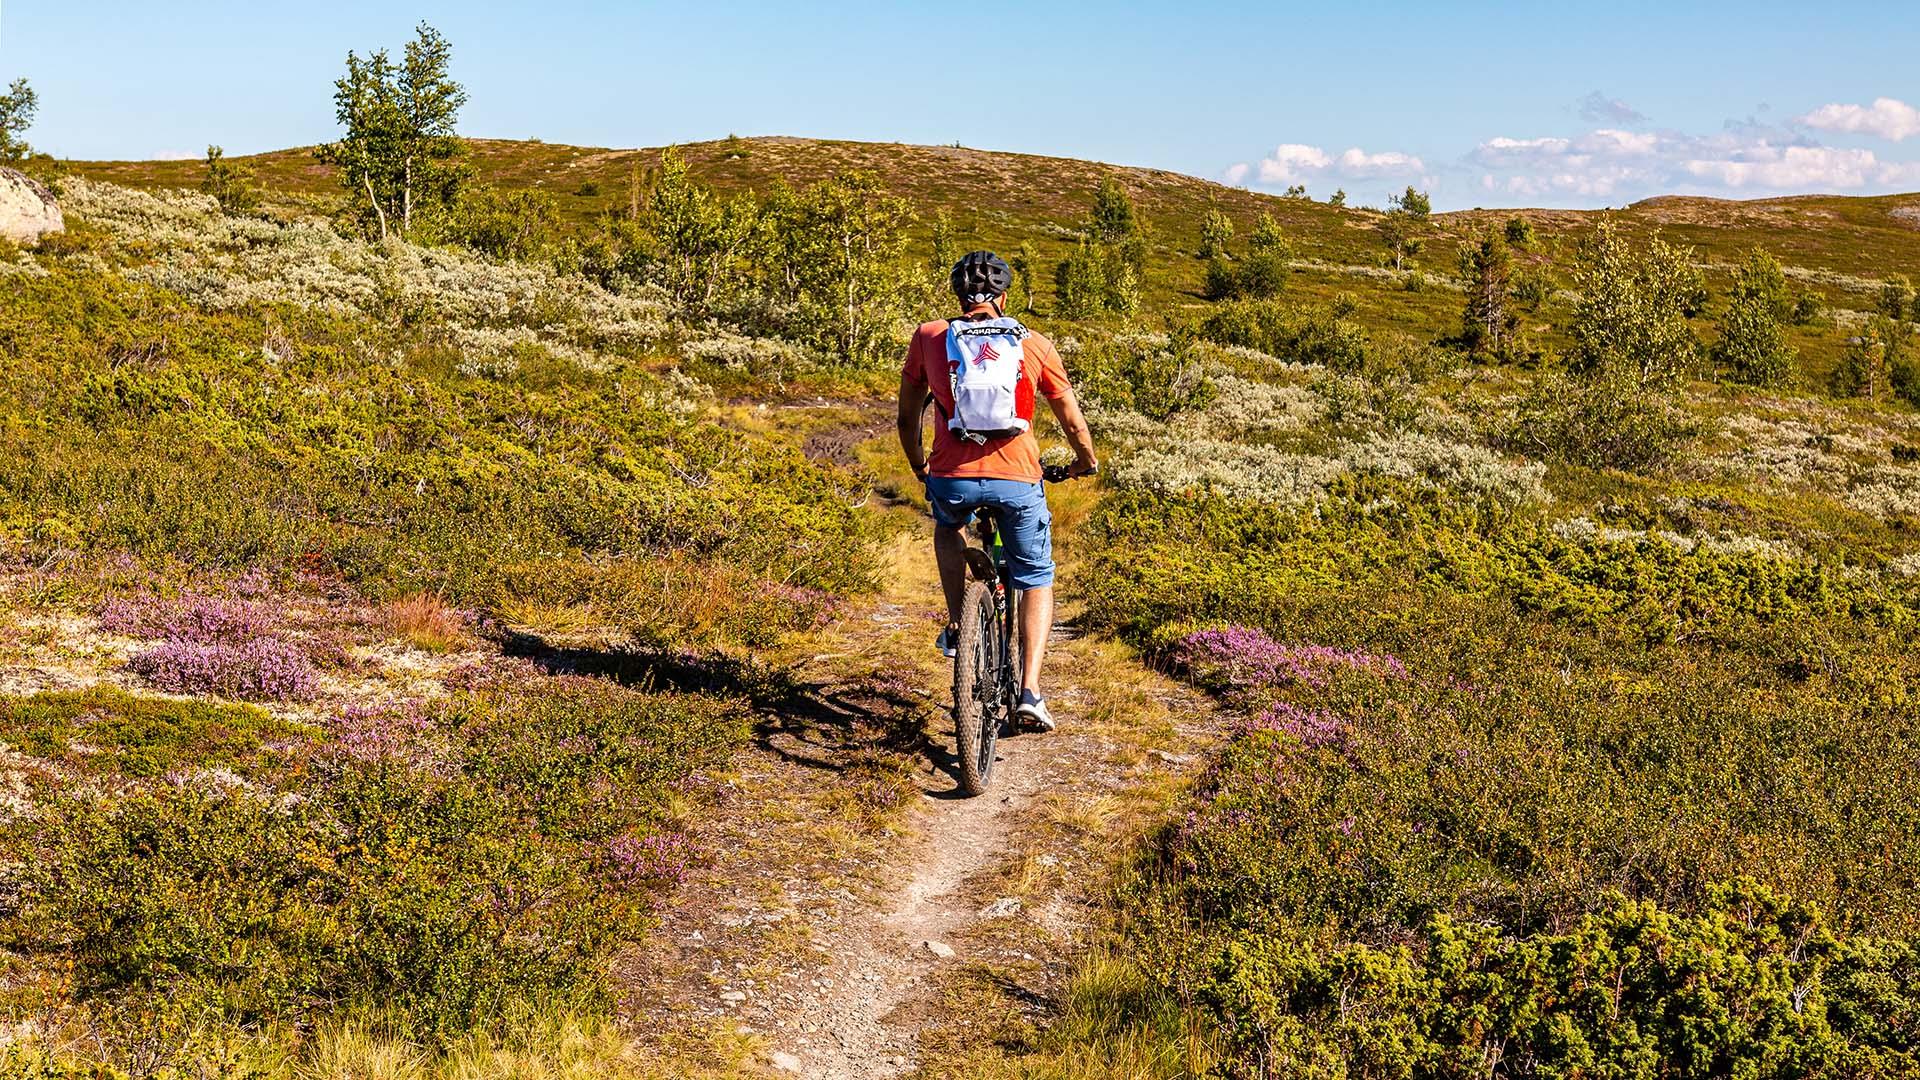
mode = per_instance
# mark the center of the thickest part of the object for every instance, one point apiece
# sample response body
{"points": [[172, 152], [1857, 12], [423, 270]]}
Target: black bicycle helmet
{"points": [[980, 276]]}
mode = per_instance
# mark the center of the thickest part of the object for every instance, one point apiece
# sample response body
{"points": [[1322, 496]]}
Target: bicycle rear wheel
{"points": [[977, 691]]}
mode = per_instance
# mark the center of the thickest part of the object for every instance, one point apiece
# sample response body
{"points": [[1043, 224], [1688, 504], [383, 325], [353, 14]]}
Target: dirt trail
{"points": [[829, 956]]}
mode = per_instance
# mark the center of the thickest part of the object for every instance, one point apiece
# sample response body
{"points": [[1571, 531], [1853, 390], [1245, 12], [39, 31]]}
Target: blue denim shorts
{"points": [[1026, 525]]}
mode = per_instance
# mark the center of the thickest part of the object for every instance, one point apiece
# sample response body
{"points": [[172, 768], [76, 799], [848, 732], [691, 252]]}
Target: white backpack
{"points": [[990, 399]]}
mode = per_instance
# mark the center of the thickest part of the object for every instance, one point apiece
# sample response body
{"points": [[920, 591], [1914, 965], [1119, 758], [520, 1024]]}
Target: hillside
{"points": [[1002, 198], [418, 663]]}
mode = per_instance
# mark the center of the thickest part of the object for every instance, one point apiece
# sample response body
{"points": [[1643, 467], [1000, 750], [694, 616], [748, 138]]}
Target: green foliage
{"points": [[1338, 198], [406, 474], [1490, 324], [1387, 874], [1152, 377], [1518, 232], [441, 897], [1216, 234], [231, 185], [943, 252], [1752, 348], [1413, 204], [1261, 273], [1753, 986], [137, 736], [17, 107], [1304, 333], [1104, 274], [1602, 420], [398, 156], [853, 284], [1025, 260], [504, 224], [699, 240], [1631, 316]]}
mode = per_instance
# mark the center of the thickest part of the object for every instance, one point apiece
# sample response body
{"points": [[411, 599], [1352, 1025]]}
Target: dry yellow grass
{"points": [[425, 622]]}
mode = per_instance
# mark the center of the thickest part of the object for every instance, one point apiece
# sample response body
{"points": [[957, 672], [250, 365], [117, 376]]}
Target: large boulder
{"points": [[27, 209]]}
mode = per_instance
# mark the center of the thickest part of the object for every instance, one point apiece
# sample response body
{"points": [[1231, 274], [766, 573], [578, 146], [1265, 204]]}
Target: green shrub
{"points": [[1752, 986], [437, 869], [138, 736], [1153, 378], [1311, 334], [1601, 421]]}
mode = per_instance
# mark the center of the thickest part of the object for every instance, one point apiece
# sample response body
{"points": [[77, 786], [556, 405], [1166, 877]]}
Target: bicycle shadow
{"points": [[834, 724]]}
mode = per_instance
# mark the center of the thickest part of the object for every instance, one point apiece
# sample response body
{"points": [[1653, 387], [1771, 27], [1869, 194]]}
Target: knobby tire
{"points": [[976, 674]]}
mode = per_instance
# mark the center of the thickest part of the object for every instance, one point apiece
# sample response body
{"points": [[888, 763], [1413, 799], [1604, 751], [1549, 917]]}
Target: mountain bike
{"points": [[986, 659]]}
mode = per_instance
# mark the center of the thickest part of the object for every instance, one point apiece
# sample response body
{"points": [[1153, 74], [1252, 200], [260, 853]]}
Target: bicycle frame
{"points": [[1007, 601]]}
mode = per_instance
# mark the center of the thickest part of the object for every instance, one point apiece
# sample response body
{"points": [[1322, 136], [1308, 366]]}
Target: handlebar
{"points": [[1054, 474]]}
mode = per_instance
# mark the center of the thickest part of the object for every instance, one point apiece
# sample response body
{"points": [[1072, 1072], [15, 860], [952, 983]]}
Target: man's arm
{"points": [[913, 400], [1066, 409]]}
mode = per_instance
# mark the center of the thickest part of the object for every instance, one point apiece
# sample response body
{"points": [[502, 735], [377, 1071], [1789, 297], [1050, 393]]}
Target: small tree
{"points": [[1216, 234], [1338, 198], [17, 107], [504, 224], [231, 184], [1632, 312], [1399, 229], [1263, 273], [1023, 263], [1863, 370], [399, 155], [941, 259], [852, 279], [697, 238], [1490, 325], [1519, 233], [1295, 191], [1753, 347], [1103, 274], [1896, 299]]}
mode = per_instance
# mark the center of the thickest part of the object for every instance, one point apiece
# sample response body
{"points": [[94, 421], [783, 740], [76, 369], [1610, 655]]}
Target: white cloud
{"points": [[1614, 164], [1803, 168], [1887, 117], [1355, 162], [1290, 162], [1236, 173], [1293, 163]]}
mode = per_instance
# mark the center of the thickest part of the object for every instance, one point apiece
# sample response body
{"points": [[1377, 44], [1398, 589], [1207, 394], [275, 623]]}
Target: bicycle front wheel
{"points": [[977, 662]]}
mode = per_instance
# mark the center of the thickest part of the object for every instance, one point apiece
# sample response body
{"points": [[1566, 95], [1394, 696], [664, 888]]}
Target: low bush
{"points": [[1153, 376], [1307, 334], [263, 669], [442, 891], [140, 736]]}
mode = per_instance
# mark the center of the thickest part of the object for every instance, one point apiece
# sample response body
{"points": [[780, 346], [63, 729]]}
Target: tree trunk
{"points": [[367, 178], [406, 201]]}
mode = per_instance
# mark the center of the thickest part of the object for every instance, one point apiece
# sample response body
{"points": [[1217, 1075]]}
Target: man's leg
{"points": [[1036, 622], [950, 554]]}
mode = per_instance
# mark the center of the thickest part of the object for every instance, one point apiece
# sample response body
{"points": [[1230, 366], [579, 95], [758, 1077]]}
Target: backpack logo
{"points": [[985, 355]]}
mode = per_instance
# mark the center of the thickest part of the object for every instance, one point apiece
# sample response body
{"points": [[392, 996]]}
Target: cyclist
{"points": [[984, 371]]}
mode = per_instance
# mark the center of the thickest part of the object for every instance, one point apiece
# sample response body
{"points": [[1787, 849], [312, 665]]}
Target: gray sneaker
{"points": [[1032, 712], [945, 643]]}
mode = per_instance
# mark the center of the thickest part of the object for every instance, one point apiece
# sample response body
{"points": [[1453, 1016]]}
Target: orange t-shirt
{"points": [[1016, 458]]}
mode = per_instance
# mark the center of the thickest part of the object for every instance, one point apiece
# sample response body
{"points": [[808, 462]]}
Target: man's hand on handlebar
{"points": [[1054, 474]]}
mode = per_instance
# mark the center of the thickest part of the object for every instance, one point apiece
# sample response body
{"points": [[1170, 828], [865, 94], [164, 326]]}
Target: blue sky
{"points": [[1484, 104]]}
